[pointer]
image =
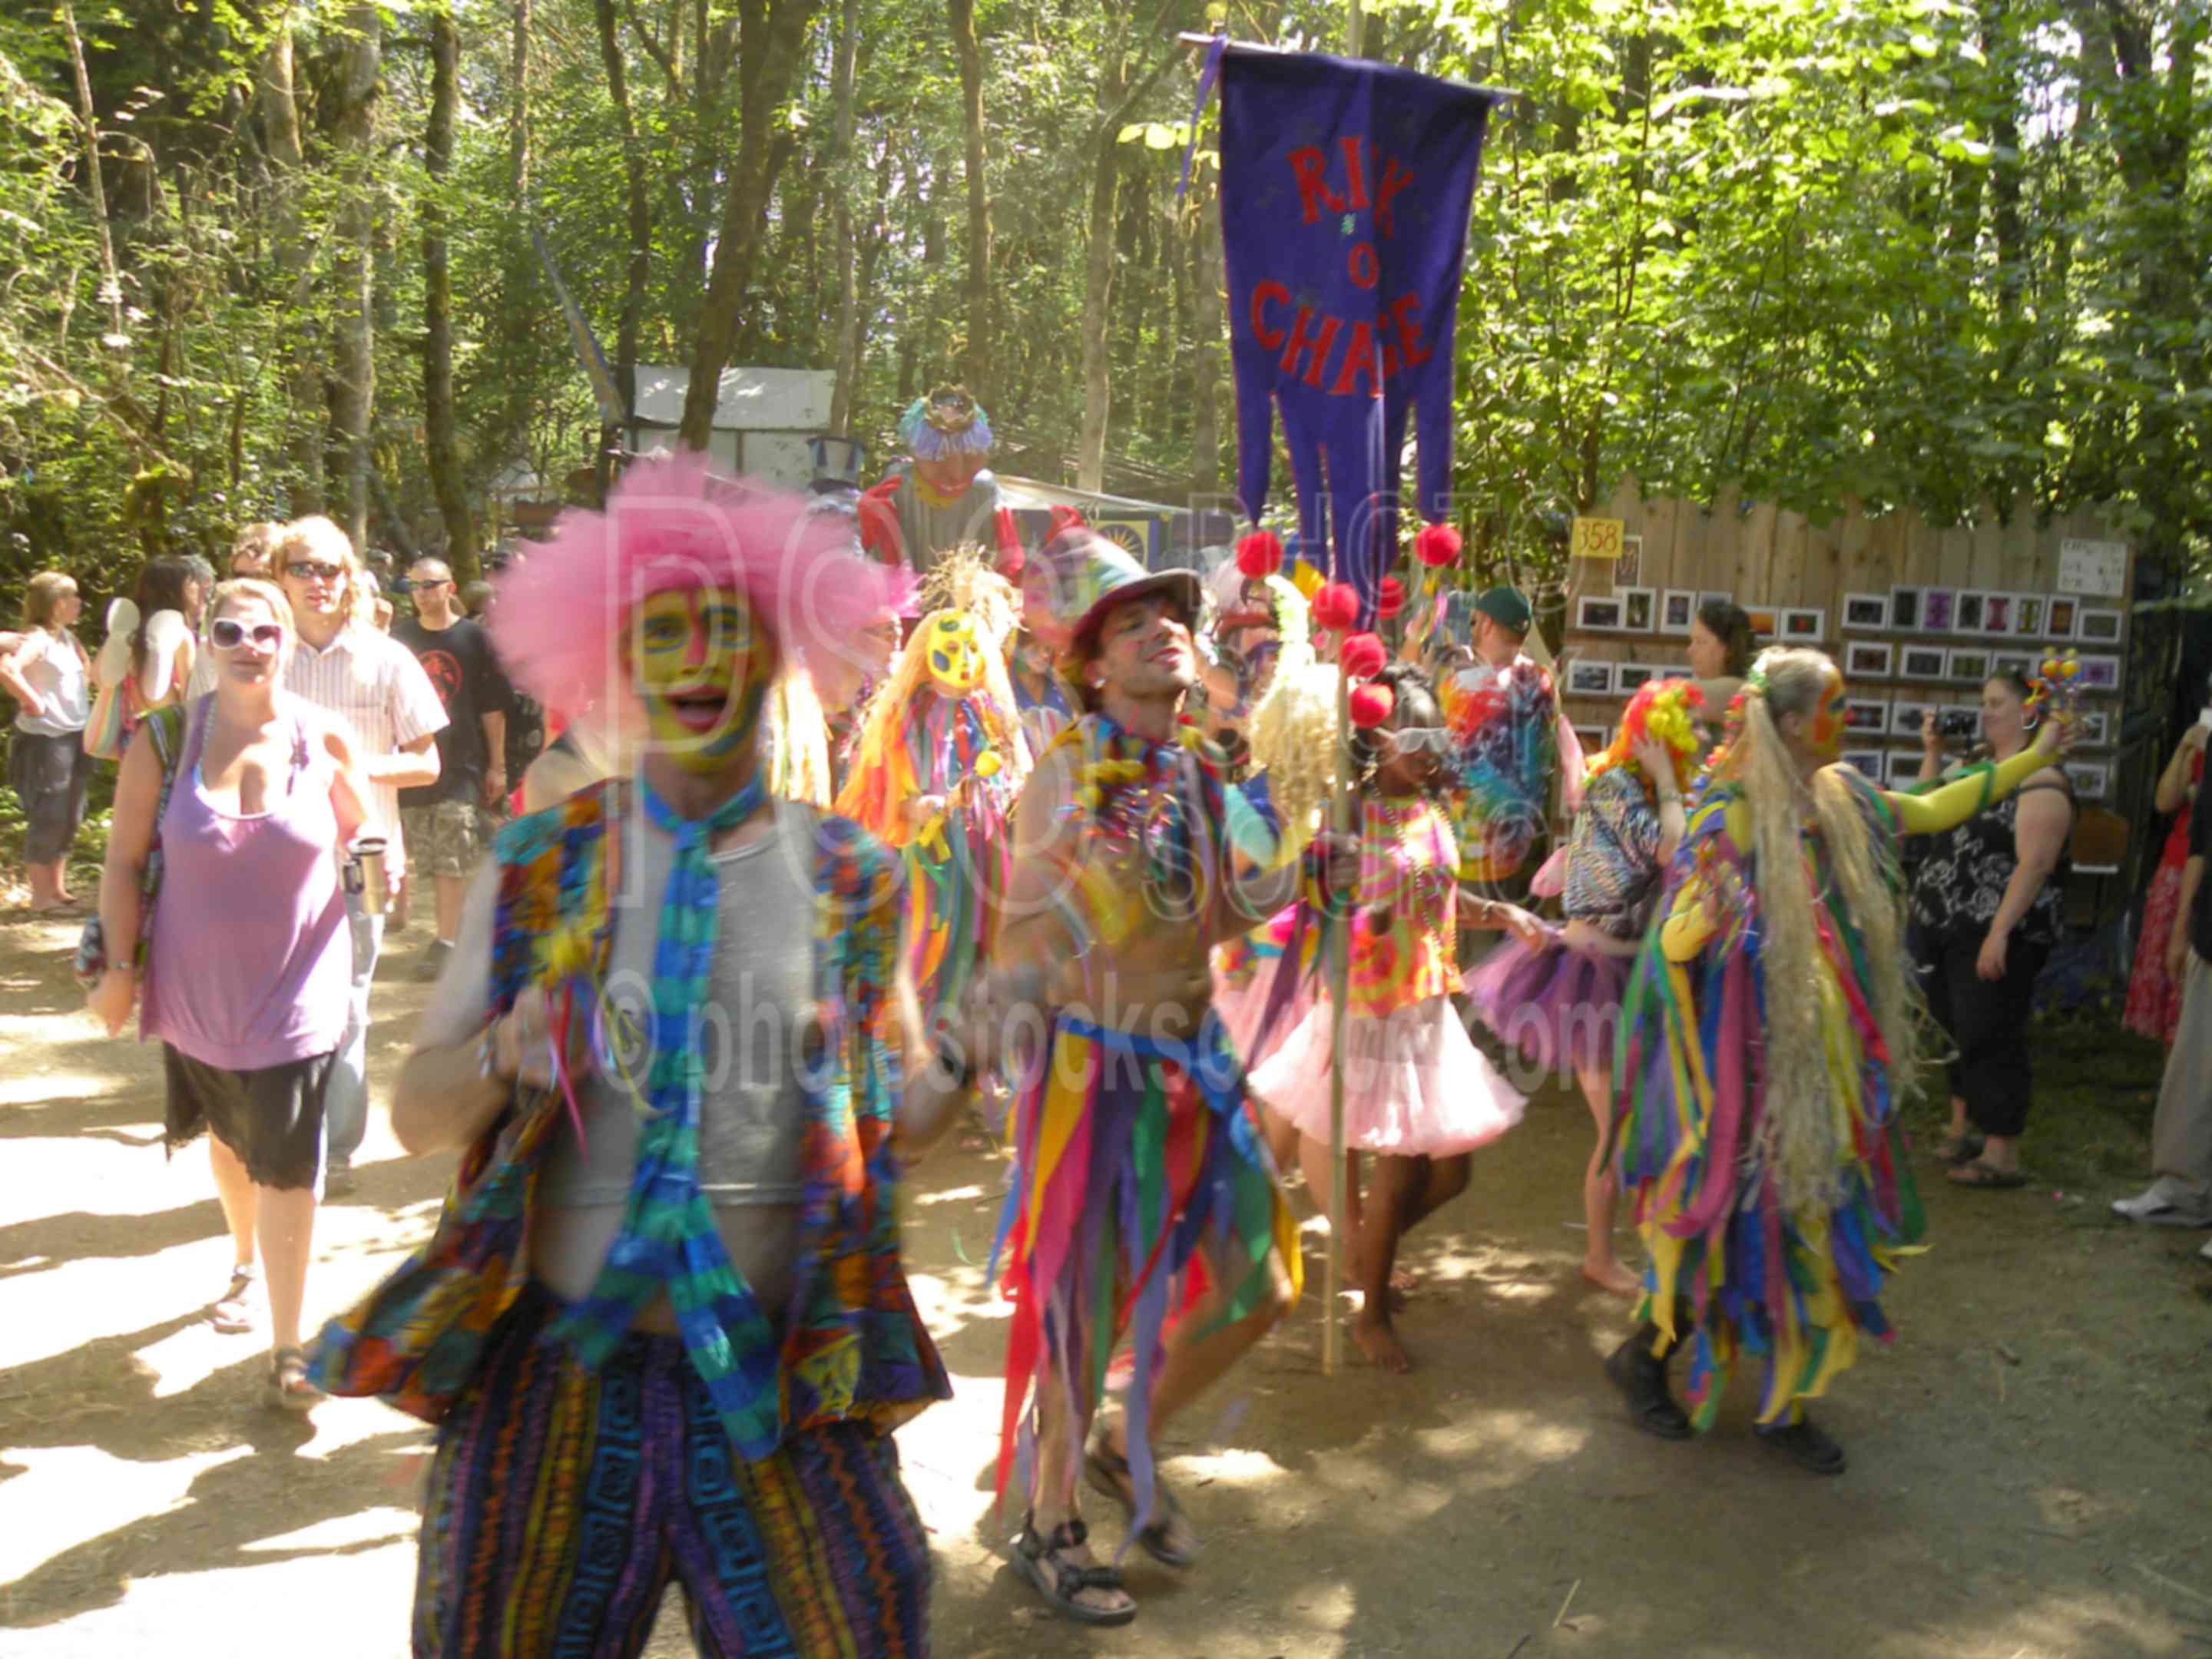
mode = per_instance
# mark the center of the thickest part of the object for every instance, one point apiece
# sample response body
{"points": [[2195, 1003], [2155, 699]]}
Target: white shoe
{"points": [[2166, 1202], [2206, 1253]]}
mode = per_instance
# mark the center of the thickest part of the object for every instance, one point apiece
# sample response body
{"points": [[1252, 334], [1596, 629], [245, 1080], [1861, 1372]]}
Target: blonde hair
{"points": [[257, 541], [1292, 731], [42, 595], [1801, 1138], [321, 537], [254, 587]]}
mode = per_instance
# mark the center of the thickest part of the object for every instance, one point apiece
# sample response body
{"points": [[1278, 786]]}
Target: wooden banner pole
{"points": [[1339, 979]]}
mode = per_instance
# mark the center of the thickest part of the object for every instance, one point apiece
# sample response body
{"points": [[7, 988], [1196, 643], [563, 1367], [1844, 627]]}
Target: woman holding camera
{"points": [[1986, 912], [250, 958]]}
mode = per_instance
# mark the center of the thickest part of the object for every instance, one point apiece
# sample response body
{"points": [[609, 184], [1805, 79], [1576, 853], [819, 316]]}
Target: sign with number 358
{"points": [[1596, 539]]}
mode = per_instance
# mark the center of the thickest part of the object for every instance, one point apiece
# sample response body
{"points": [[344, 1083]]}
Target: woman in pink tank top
{"points": [[251, 958]]}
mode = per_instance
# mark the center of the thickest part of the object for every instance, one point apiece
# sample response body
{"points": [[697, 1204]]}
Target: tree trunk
{"points": [[770, 36], [280, 134], [111, 282], [1097, 312], [354, 400], [640, 269], [977, 359], [441, 445], [518, 126], [840, 163]]}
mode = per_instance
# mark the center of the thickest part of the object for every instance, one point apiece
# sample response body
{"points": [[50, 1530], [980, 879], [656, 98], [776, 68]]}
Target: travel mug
{"points": [[365, 875]]}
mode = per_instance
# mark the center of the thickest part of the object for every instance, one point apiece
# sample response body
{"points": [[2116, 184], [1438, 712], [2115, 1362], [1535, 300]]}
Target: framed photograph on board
{"points": [[1678, 608], [2022, 663], [1593, 738], [2090, 779], [1937, 605], [1639, 608], [1996, 613], [1869, 761], [1706, 599], [1804, 627], [1628, 678], [2028, 616], [1600, 615], [1588, 677], [1868, 715], [1967, 665], [1902, 768], [1905, 608], [1868, 659], [1765, 621], [1966, 611], [2059, 617], [1867, 611], [1923, 662], [2100, 673], [2098, 626], [1905, 718], [2093, 728]]}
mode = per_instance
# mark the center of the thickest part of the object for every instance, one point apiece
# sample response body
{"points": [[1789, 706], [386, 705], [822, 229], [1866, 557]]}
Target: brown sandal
{"points": [[289, 1388]]}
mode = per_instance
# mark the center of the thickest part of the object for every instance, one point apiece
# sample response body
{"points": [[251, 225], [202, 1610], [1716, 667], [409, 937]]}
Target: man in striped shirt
{"points": [[343, 663]]}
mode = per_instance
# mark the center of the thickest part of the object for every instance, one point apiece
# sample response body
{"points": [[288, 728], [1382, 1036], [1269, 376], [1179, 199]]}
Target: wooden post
{"points": [[1339, 979]]}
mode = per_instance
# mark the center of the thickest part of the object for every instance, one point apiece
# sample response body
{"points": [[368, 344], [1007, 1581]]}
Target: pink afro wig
{"points": [[559, 616]]}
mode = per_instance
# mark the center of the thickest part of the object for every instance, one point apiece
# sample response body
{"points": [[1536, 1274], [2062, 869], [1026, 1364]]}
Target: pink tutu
{"points": [[1413, 1084], [1558, 1006], [1242, 1006]]}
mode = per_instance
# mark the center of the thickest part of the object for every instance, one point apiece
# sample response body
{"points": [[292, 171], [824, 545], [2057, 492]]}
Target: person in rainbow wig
{"points": [[1554, 996], [1770, 1034], [663, 1325], [939, 760], [943, 495], [1143, 1206]]}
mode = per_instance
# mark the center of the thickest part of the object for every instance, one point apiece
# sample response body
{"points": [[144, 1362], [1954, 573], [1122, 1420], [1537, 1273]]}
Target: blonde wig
{"points": [[1802, 1138], [1292, 731], [318, 538]]}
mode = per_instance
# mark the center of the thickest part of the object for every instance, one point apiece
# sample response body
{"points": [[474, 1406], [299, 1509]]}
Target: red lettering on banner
{"points": [[1317, 345], [1310, 169], [1269, 337], [1409, 331], [1395, 180], [1359, 359], [1362, 265], [1355, 171]]}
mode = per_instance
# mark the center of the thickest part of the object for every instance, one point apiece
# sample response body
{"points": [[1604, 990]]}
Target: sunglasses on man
{"points": [[227, 633], [314, 570]]}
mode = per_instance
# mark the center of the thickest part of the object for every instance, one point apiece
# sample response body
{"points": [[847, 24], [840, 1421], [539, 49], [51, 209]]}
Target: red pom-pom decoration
{"points": [[1336, 604], [1436, 546], [1260, 554], [1371, 706], [1389, 598], [1361, 656]]}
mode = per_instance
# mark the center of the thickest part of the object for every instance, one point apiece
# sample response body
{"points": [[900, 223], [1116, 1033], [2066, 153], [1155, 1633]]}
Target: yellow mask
{"points": [[956, 654], [702, 670]]}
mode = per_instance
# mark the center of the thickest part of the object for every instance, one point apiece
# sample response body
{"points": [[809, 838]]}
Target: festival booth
{"points": [[1917, 617]]}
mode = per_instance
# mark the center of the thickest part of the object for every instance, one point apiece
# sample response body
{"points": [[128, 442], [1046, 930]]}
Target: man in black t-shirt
{"points": [[449, 824], [2181, 1134]]}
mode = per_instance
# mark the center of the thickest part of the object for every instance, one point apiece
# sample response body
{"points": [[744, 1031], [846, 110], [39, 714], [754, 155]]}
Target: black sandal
{"points": [[1960, 1149], [1110, 1478], [1061, 1582]]}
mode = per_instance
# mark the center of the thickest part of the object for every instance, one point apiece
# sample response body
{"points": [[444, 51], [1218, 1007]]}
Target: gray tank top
{"points": [[751, 1033]]}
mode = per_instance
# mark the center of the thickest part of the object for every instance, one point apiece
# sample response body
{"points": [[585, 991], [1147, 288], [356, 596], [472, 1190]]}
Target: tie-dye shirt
{"points": [[1404, 939], [1505, 751]]}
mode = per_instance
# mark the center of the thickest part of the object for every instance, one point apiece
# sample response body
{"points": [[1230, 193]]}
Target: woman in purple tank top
{"points": [[251, 958]]}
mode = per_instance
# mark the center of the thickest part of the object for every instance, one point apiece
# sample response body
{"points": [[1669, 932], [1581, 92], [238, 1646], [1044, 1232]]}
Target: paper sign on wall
{"points": [[1597, 539], [2098, 569]]}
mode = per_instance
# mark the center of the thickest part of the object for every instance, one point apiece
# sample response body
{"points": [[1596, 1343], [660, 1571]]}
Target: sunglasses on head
{"points": [[1424, 740], [227, 633], [314, 570]]}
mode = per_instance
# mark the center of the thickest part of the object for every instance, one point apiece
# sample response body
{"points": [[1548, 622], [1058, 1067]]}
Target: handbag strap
{"points": [[164, 729]]}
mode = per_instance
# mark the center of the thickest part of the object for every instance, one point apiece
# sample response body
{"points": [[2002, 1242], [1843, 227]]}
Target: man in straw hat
{"points": [[663, 1316]]}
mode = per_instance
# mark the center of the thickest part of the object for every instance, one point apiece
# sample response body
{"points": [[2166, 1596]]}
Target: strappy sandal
{"points": [[1061, 1582], [289, 1388], [1109, 1477], [232, 1313]]}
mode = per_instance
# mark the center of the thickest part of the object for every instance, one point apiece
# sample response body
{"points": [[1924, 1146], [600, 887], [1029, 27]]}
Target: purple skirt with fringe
{"points": [[1555, 1007]]}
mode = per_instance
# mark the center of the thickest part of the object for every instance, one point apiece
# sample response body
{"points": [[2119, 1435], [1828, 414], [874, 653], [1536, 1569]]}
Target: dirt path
{"points": [[2031, 1459]]}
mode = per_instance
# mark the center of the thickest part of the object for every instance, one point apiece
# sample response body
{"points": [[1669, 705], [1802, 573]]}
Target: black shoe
{"points": [[1806, 1443], [432, 963], [1641, 1377]]}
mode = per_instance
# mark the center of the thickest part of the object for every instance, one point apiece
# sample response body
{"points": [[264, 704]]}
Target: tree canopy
{"points": [[257, 259]]}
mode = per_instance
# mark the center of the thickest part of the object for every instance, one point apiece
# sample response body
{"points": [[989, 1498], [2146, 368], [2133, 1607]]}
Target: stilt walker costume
{"points": [[663, 1325], [943, 497], [1769, 1038]]}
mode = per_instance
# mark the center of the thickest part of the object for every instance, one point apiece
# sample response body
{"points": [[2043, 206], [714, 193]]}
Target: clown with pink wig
{"points": [[664, 1312]]}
